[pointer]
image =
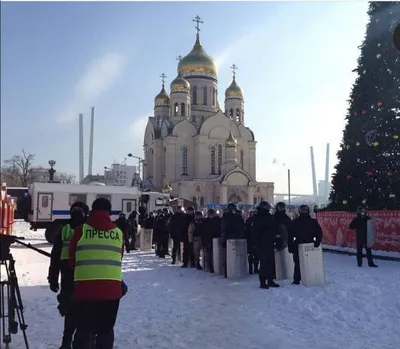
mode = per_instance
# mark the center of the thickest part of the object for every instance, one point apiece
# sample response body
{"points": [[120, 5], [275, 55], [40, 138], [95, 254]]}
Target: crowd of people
{"points": [[89, 250]]}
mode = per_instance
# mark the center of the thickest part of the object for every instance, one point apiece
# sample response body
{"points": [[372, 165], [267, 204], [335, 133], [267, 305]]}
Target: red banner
{"points": [[335, 226]]}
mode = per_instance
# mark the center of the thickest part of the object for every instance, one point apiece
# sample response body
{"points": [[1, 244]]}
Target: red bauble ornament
{"points": [[349, 177], [363, 112], [389, 174]]}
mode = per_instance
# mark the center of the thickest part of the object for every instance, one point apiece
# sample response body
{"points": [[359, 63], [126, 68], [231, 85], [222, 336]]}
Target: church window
{"points": [[202, 118], [193, 118], [194, 95], [242, 158], [184, 160], [176, 109], [212, 160], [238, 115], [198, 189], [205, 95], [213, 96], [194, 201], [258, 189], [202, 202], [219, 158], [217, 200], [255, 200], [183, 109], [231, 113]]}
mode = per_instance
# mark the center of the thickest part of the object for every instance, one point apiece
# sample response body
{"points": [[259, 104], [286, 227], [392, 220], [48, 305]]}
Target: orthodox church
{"points": [[192, 148]]}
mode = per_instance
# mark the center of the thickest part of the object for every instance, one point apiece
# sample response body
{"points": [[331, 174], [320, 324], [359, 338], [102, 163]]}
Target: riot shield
{"points": [[281, 238]]}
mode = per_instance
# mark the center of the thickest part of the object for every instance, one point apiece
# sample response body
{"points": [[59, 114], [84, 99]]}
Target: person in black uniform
{"points": [[175, 227], [212, 230], [122, 223], [359, 224], [188, 252], [161, 233], [265, 229], [303, 230], [252, 249], [283, 222], [59, 264]]}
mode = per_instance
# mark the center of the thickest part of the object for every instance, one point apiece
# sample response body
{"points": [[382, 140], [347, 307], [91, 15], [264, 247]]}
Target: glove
{"points": [[316, 244], [54, 287]]}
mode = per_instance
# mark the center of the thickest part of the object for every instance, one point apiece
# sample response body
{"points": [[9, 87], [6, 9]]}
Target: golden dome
{"points": [[233, 91], [162, 99], [197, 61], [231, 142], [180, 84]]}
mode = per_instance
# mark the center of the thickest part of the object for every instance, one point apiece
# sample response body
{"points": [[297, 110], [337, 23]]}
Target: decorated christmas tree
{"points": [[368, 171]]}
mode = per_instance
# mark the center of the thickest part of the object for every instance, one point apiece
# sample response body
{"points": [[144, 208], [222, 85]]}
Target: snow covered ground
{"points": [[169, 307]]}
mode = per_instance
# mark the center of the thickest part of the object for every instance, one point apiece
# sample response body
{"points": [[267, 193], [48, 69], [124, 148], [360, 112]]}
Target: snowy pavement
{"points": [[169, 307]]}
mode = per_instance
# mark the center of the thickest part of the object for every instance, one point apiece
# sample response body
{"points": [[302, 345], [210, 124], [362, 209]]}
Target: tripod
{"points": [[11, 304]]}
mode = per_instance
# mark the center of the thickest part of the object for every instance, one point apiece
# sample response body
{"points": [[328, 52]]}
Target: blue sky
{"points": [[295, 61]]}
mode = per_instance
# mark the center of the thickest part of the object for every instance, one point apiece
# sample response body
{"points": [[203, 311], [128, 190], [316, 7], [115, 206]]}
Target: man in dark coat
{"points": [[359, 224], [122, 223], [176, 225], [132, 229], [266, 231], [251, 237], [212, 230], [303, 230], [59, 264], [161, 233], [188, 251]]}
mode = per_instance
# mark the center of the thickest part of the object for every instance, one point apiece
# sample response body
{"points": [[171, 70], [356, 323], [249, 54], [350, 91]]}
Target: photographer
{"points": [[59, 263]]}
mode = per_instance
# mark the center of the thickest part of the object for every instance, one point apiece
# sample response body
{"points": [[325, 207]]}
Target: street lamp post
{"points": [[140, 167]]}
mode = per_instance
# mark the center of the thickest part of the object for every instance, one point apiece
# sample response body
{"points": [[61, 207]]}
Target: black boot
{"points": [[173, 259], [372, 265], [296, 282], [264, 285], [199, 267]]}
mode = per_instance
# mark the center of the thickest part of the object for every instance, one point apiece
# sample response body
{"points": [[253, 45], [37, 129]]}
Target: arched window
{"points": [[242, 158], [217, 200], [213, 96], [202, 202], [212, 160], [193, 118], [183, 109], [231, 113], [202, 118], [219, 158], [237, 115], [176, 109], [205, 95], [255, 200], [194, 95], [184, 160], [194, 200]]}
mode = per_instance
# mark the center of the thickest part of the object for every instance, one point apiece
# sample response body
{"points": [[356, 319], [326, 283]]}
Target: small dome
{"points": [[162, 99], [231, 142], [197, 61], [234, 91], [180, 84]]}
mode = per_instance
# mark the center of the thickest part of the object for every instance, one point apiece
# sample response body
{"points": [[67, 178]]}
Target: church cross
{"points": [[198, 20], [179, 58], [163, 77], [234, 68]]}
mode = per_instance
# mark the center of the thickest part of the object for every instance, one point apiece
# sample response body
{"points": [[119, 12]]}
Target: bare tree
{"points": [[18, 169], [64, 177]]}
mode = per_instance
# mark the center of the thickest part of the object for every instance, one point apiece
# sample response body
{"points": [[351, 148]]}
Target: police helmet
{"points": [[280, 207], [198, 215], [231, 207], [304, 210], [264, 205]]}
